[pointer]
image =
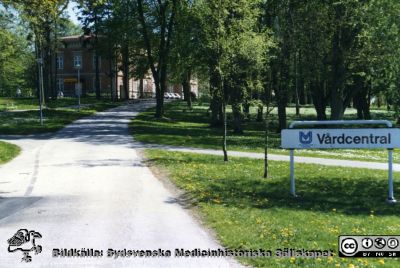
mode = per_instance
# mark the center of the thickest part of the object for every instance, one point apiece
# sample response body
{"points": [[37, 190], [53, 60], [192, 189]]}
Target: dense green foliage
{"points": [[335, 53], [250, 212], [190, 128], [16, 59], [39, 25]]}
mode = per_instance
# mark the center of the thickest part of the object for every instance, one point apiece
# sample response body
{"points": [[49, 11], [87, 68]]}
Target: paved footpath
{"points": [[277, 157], [86, 187]]}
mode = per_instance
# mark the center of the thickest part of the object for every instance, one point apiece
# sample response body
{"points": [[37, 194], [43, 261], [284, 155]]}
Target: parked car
{"points": [[168, 95], [176, 95]]}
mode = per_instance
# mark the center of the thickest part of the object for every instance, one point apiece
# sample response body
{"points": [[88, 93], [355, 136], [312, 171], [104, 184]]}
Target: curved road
{"points": [[86, 187]]}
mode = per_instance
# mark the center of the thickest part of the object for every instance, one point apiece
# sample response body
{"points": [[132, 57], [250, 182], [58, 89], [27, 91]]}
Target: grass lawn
{"points": [[182, 127], [249, 212], [56, 116], [10, 104], [8, 151]]}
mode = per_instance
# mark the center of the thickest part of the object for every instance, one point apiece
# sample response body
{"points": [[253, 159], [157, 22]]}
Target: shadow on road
{"points": [[11, 205]]}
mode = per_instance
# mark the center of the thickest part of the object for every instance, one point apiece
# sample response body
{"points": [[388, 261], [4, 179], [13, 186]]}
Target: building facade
{"points": [[75, 60], [76, 68]]}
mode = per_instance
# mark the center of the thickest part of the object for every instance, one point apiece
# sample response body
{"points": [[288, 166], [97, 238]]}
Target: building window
{"points": [[60, 85], [78, 61], [94, 61], [60, 62]]}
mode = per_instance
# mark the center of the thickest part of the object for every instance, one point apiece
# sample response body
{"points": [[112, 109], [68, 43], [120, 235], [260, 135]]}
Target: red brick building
{"points": [[76, 57]]}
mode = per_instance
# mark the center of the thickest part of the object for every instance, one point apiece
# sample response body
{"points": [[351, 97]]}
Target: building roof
{"points": [[75, 38]]}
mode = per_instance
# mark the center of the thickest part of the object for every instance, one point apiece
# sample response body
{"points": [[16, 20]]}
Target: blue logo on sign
{"points": [[305, 138]]}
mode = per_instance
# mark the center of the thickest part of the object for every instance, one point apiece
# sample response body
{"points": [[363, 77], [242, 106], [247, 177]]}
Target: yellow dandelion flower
{"points": [[217, 201], [381, 261]]}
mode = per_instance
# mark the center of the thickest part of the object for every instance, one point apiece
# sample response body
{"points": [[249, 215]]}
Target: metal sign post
{"points": [[391, 198], [40, 63], [342, 138], [292, 179], [78, 87]]}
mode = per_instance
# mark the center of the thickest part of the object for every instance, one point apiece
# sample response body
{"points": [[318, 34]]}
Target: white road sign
{"points": [[340, 138]]}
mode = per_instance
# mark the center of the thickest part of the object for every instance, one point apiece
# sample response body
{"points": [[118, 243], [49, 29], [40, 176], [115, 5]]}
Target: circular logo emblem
{"points": [[380, 242], [392, 243], [367, 243], [349, 246]]}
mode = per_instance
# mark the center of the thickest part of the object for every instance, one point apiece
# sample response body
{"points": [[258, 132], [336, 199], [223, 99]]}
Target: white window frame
{"points": [[60, 84], [60, 62], [78, 58]]}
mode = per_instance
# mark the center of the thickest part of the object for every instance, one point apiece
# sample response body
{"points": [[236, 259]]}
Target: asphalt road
{"points": [[86, 187]]}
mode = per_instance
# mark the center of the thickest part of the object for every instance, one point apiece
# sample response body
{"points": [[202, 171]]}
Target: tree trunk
{"points": [[53, 67], [361, 99], [281, 95], [283, 86], [141, 88], [260, 111], [237, 118], [297, 94], [338, 68], [125, 68], [246, 110], [186, 87], [165, 30], [216, 98], [115, 77], [96, 59], [367, 110], [379, 100], [282, 114], [301, 88], [319, 99], [46, 74], [159, 97], [97, 78], [111, 72], [224, 146], [266, 134]]}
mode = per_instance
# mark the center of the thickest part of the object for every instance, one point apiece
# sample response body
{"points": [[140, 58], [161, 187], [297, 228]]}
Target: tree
{"points": [[92, 12], [186, 52], [233, 47], [157, 26], [278, 17], [16, 58], [42, 16]]}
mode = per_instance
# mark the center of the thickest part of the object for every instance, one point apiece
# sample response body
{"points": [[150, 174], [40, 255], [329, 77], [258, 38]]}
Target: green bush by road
{"points": [[8, 151], [183, 127], [250, 212]]}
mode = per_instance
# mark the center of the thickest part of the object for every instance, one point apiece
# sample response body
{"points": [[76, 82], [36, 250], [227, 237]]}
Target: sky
{"points": [[72, 12]]}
